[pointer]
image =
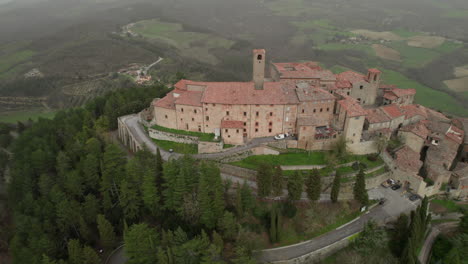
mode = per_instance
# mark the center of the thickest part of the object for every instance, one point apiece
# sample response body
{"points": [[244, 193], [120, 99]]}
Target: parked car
{"points": [[388, 183], [414, 197], [396, 187], [280, 136], [382, 201]]}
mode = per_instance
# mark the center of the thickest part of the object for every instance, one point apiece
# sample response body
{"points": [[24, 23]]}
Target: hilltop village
{"points": [[314, 108]]}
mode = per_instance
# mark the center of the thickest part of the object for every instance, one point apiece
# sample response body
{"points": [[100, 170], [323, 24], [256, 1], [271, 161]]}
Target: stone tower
{"points": [[259, 68]]}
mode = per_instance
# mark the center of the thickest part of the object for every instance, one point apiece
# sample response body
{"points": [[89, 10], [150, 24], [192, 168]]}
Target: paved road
{"points": [[435, 231], [137, 130], [396, 204]]}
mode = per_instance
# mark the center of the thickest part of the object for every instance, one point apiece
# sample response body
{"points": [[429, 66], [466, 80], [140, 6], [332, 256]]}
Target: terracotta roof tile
{"points": [[413, 110], [244, 93], [166, 102], [375, 70], [392, 111], [455, 134], [307, 70], [376, 116], [351, 77], [190, 98], [232, 124], [390, 96], [419, 129], [352, 107], [306, 93], [403, 92], [408, 160]]}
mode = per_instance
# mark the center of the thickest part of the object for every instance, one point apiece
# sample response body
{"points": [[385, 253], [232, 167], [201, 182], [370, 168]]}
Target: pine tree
{"points": [[335, 191], [75, 253], [106, 233], [171, 171], [113, 170], [159, 171], [295, 186], [314, 185], [210, 195], [90, 256], [273, 231], [91, 172], [359, 190], [264, 180], [248, 199], [228, 225], [141, 244], [277, 181], [239, 207], [129, 200], [150, 192]]}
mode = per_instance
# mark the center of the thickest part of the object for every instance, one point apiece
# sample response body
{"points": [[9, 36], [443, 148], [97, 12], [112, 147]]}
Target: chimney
{"points": [[259, 68]]}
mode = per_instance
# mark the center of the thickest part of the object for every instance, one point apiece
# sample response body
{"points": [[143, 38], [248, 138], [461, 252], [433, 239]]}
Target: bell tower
{"points": [[259, 68]]}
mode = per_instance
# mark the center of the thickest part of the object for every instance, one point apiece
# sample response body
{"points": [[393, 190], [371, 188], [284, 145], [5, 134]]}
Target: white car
{"points": [[281, 136]]}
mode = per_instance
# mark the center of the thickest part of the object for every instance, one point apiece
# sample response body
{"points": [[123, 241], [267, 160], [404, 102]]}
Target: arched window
{"points": [[259, 57], [375, 77]]}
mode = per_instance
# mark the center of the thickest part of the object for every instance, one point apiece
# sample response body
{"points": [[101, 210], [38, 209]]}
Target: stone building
{"points": [[299, 98]]}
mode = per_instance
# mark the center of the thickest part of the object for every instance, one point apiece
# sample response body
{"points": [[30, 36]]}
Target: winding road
{"points": [[396, 203]]}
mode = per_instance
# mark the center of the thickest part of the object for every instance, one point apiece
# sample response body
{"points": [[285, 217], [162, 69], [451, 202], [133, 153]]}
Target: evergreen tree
{"points": [[277, 181], [159, 171], [264, 179], [210, 195], [141, 244], [248, 199], [335, 191], [228, 226], [75, 253], [295, 186], [129, 200], [273, 231], [150, 192], [314, 185], [171, 172], [400, 235], [359, 190], [107, 234], [113, 170], [239, 206], [90, 256], [91, 172]]}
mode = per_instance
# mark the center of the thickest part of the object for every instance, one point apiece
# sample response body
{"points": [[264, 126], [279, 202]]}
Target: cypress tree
{"points": [[239, 207], [273, 225], [295, 186], [106, 233], [264, 180], [248, 199], [277, 181], [335, 191], [313, 185], [359, 190]]}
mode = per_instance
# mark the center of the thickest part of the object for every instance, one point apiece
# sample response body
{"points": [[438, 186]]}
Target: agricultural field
{"points": [[460, 83], [13, 117], [196, 45]]}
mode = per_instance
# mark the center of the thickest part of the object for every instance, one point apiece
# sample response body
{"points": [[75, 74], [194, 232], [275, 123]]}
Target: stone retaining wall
{"points": [[160, 135], [236, 171], [210, 147]]}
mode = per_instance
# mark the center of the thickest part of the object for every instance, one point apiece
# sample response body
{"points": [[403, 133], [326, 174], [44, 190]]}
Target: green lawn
{"points": [[450, 205], [303, 158], [177, 147], [13, 117], [252, 162], [426, 96], [202, 136]]}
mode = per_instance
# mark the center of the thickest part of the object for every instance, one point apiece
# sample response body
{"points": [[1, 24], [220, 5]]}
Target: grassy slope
{"points": [[426, 96], [13, 117]]}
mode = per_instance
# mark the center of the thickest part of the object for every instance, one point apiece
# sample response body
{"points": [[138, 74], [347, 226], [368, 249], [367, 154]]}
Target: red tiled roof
{"points": [[375, 70], [343, 84], [351, 77], [244, 93], [419, 129], [167, 101], [376, 116], [387, 86], [455, 134], [352, 107], [402, 92], [392, 111], [190, 98], [413, 110], [232, 124], [408, 160], [307, 70], [390, 96], [305, 92]]}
